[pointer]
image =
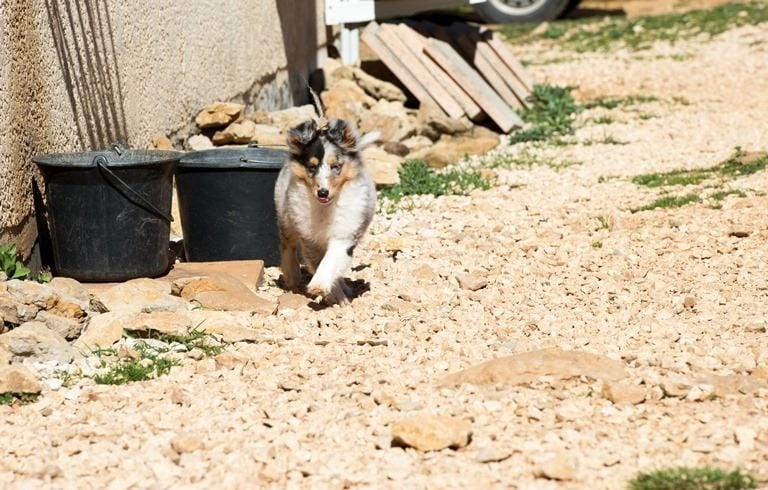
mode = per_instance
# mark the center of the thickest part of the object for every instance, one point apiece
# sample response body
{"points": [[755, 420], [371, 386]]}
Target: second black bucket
{"points": [[227, 206], [109, 212]]}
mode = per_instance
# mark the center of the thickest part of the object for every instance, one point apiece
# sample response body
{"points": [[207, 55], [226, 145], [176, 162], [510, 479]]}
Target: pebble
{"points": [[560, 466]]}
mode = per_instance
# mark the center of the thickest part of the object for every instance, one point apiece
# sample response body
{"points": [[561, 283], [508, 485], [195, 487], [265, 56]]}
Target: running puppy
{"points": [[325, 200]]}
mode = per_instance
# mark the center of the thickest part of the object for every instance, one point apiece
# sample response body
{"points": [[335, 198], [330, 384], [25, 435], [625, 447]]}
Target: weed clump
{"points": [[20, 398], [10, 264], [417, 178], [150, 362], [701, 478], [739, 164], [588, 35], [551, 114]]}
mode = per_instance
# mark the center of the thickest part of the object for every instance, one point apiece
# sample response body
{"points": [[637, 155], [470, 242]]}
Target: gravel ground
{"points": [[672, 294]]}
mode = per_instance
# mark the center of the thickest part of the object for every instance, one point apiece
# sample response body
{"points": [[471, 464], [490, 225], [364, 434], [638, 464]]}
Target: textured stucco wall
{"points": [[78, 74]]}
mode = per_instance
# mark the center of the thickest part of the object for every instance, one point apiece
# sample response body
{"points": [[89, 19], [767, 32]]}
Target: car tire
{"points": [[506, 11]]}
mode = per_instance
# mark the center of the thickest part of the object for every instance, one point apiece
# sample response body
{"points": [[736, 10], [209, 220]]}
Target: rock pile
{"points": [[371, 104], [55, 327]]}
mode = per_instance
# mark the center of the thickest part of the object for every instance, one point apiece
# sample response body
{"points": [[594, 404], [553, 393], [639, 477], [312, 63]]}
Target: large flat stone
{"points": [[224, 292], [530, 366], [432, 432], [34, 340], [249, 272], [18, 379]]}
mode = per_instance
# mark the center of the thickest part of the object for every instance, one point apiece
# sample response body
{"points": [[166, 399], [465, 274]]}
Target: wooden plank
{"points": [[486, 51], [392, 62], [416, 43], [506, 55], [488, 72], [391, 37], [488, 100]]}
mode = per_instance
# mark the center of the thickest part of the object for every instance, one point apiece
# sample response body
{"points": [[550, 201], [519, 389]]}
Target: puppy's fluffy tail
{"points": [[367, 140]]}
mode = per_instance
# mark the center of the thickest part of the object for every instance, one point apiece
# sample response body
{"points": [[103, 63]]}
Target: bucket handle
{"points": [[254, 144], [102, 162]]}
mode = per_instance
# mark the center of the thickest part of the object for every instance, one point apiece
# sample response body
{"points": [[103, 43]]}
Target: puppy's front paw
{"points": [[289, 283], [333, 295], [316, 289], [338, 296]]}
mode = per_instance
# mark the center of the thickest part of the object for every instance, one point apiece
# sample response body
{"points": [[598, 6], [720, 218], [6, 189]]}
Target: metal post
{"points": [[350, 44]]}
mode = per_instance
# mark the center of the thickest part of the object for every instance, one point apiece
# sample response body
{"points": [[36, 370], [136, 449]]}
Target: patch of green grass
{"points": [[22, 398], [555, 31], [518, 32], [597, 244], [721, 195], [602, 223], [417, 178], [674, 177], [10, 263], [606, 140], [527, 158], [150, 363], [701, 478], [196, 338], [44, 277], [670, 201], [644, 116], [68, 378], [551, 114], [542, 61], [739, 164], [588, 35], [603, 120], [616, 102], [716, 198]]}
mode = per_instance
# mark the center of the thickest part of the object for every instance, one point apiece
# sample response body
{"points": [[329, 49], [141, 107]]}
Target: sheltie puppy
{"points": [[325, 200]]}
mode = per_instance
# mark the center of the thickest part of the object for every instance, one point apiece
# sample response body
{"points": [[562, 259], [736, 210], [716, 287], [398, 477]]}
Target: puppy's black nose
{"points": [[322, 193]]}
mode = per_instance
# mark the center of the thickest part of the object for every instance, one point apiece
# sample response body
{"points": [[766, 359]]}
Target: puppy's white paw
{"points": [[332, 295], [316, 289]]}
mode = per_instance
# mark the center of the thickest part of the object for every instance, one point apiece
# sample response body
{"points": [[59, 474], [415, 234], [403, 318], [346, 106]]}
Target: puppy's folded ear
{"points": [[340, 133], [301, 135]]}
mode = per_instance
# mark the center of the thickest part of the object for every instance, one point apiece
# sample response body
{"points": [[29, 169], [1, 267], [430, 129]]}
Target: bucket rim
{"points": [[86, 159], [234, 158]]}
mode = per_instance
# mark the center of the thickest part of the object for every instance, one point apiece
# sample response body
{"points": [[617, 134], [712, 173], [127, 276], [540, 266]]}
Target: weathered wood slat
{"points": [[486, 51], [506, 55], [391, 37], [488, 100], [471, 51], [416, 43], [391, 60]]}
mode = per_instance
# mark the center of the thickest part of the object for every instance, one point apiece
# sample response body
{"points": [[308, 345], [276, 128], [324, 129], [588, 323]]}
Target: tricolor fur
{"points": [[325, 200]]}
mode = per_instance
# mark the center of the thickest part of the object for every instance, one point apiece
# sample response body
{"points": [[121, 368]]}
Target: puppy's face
{"points": [[324, 158]]}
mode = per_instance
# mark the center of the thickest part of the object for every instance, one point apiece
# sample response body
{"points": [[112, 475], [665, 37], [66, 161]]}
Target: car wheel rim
{"points": [[517, 7]]}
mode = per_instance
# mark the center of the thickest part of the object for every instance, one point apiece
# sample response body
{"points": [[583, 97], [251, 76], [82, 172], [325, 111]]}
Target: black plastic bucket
{"points": [[226, 203], [109, 212]]}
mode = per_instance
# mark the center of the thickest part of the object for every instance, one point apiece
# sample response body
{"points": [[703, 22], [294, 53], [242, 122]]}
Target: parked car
{"points": [[505, 11]]}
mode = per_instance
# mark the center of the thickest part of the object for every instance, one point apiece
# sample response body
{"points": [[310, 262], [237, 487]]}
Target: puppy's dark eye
{"points": [[311, 170], [336, 168]]}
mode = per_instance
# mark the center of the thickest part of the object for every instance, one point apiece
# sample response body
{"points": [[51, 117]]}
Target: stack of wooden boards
{"points": [[484, 80]]}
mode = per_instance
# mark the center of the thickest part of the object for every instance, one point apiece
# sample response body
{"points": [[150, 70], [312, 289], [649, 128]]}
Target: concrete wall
{"points": [[78, 74]]}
